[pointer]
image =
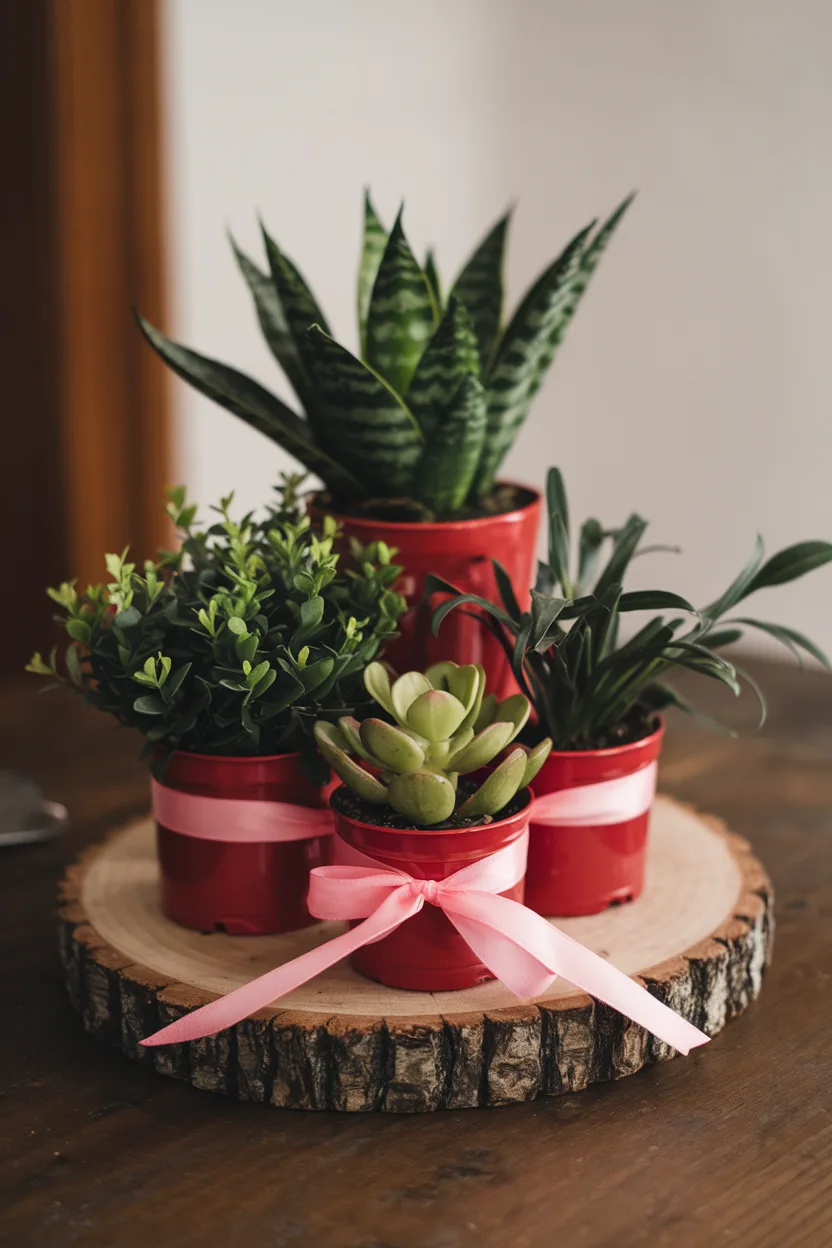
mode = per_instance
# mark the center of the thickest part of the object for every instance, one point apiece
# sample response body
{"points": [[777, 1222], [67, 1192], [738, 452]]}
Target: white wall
{"points": [[694, 385]]}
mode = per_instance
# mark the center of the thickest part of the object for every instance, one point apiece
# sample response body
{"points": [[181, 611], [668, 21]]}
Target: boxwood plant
{"points": [[589, 687], [235, 643], [445, 726], [419, 422]]}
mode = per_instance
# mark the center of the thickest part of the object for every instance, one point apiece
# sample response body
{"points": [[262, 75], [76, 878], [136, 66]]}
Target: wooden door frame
{"points": [[88, 415]]}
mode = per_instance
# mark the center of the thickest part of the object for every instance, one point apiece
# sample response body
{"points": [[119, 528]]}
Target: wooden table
{"points": [[733, 1145]]}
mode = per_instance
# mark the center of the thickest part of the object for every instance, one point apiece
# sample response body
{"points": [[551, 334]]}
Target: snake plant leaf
{"points": [[273, 323], [535, 759], [523, 355], [300, 307], [436, 715], [359, 780], [484, 747], [448, 464], [361, 421], [404, 693], [391, 747], [479, 286], [401, 315], [590, 259], [500, 787], [377, 684], [256, 406], [789, 564], [423, 796], [375, 241], [448, 358], [434, 280]]}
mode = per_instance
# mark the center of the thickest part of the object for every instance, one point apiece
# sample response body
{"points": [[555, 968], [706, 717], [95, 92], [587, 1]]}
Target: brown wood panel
{"points": [[732, 1145], [85, 430]]}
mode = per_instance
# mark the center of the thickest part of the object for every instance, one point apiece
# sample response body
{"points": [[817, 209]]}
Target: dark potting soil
{"points": [[637, 725], [348, 803], [502, 499]]}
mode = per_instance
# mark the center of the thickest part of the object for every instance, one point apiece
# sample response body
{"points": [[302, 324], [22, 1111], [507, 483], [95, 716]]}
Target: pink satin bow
{"points": [[519, 947]]}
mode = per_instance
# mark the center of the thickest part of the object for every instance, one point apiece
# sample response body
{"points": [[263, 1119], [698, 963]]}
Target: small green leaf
{"points": [[238, 626], [149, 704], [425, 797], [393, 749], [79, 630]]}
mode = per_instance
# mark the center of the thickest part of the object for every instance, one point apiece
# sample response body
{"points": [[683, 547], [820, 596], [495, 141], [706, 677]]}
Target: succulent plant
{"points": [[432, 404], [445, 726], [590, 689], [235, 643]]}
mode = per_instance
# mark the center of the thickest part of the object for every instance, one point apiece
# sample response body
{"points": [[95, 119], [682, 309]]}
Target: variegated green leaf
{"points": [[434, 281], [401, 315], [299, 305], [589, 263], [479, 287], [375, 241], [255, 405], [359, 420], [449, 461], [273, 323], [449, 356], [523, 356]]}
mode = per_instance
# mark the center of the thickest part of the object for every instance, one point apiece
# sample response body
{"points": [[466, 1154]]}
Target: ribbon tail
{"points": [[246, 1000], [495, 922]]}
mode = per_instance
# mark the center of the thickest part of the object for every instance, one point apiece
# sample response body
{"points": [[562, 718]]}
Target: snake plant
{"points": [[445, 726], [429, 408], [588, 687]]}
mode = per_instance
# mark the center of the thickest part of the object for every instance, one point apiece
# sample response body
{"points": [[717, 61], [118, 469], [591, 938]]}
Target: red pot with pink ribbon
{"points": [[237, 838], [589, 825]]}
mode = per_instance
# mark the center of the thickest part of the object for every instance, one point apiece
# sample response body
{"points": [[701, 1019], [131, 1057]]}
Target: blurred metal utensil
{"points": [[25, 816]]}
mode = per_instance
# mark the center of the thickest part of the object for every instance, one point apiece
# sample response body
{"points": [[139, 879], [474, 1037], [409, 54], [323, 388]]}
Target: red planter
{"points": [[460, 551], [583, 868], [427, 953], [242, 887]]}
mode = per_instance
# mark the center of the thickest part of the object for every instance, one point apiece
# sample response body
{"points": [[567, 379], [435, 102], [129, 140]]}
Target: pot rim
{"points": [[443, 832], [447, 526], [235, 758], [615, 751]]}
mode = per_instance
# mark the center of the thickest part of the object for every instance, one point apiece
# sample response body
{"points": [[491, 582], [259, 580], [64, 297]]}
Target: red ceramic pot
{"points": [[427, 953], [583, 869], [460, 551], [246, 888]]}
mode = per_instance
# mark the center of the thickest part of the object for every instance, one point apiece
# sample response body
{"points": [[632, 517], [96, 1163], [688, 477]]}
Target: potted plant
{"points": [[407, 802], [599, 697], [408, 436], [222, 655]]}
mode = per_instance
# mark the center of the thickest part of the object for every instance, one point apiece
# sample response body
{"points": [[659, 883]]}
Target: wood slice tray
{"points": [[698, 937]]}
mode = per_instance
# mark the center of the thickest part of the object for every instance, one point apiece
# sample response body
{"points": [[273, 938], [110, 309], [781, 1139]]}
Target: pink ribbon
{"points": [[236, 819], [518, 946], [609, 801]]}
